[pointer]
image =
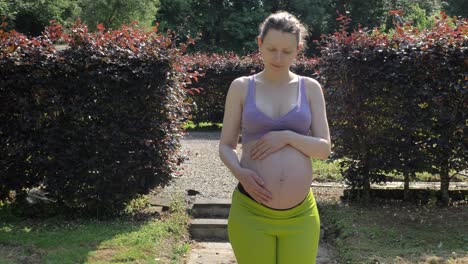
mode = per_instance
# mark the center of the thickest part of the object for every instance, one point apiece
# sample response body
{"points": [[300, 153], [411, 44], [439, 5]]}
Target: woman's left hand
{"points": [[269, 143]]}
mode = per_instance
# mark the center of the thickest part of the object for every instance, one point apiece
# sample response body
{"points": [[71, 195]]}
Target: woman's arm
{"points": [[314, 147], [318, 143], [249, 179], [231, 127]]}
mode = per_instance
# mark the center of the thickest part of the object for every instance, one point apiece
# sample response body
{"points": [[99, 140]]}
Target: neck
{"points": [[276, 77]]}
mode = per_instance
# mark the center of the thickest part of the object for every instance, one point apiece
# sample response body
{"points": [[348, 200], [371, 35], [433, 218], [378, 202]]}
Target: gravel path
{"points": [[203, 171], [205, 174]]}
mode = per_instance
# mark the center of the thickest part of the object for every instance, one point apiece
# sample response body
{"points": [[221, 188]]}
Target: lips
{"points": [[275, 66]]}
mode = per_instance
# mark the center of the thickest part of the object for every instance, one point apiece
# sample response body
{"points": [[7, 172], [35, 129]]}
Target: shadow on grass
{"points": [[56, 240]]}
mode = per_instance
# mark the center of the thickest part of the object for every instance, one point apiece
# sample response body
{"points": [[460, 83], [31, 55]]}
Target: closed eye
{"points": [[285, 52]]}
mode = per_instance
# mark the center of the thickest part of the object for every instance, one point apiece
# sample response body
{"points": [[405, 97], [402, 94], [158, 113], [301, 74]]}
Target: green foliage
{"points": [[202, 126], [326, 170], [418, 17], [176, 14], [407, 6], [367, 13], [224, 25], [420, 14], [456, 7], [137, 204], [6, 9], [115, 13], [233, 25], [375, 13], [31, 16], [240, 27]]}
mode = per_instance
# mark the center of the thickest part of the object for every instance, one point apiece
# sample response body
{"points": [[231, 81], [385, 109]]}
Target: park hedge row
{"points": [[93, 125], [397, 104]]}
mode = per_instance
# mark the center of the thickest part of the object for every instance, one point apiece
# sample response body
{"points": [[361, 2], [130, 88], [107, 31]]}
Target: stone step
{"points": [[162, 202], [211, 208], [205, 229], [211, 253], [221, 253]]}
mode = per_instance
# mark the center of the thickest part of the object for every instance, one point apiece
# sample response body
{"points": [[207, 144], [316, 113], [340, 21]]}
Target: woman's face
{"points": [[278, 49]]}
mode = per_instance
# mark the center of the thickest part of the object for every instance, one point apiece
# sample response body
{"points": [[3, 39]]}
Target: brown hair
{"points": [[285, 22]]}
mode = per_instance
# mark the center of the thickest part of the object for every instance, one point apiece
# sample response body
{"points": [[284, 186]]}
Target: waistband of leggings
{"points": [[260, 209]]}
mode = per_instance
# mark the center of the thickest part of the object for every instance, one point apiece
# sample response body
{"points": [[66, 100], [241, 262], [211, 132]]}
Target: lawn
{"points": [[392, 232], [153, 240]]}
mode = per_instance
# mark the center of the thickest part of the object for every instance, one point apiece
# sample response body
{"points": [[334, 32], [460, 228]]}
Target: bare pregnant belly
{"points": [[287, 174]]}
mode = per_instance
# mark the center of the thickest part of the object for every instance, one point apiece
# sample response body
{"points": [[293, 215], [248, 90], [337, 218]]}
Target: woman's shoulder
{"points": [[239, 87], [309, 81], [240, 84], [311, 84], [241, 81], [313, 88]]}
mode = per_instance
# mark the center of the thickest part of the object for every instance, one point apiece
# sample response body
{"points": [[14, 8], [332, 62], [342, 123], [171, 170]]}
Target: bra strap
{"points": [[301, 90], [250, 90]]}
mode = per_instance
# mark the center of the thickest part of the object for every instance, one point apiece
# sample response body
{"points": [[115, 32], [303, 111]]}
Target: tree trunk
{"points": [[406, 190], [444, 185], [366, 188]]}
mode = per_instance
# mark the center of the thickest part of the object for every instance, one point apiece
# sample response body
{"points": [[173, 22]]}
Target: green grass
{"points": [[162, 240], [202, 126], [396, 233], [326, 171]]}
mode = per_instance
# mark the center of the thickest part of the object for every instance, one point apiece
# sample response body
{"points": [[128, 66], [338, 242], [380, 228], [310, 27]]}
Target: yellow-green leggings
{"points": [[261, 235]]}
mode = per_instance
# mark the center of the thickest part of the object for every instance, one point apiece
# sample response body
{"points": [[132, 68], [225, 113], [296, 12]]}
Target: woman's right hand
{"points": [[254, 185]]}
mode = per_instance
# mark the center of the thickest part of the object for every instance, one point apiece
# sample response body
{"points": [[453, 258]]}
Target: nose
{"points": [[277, 56]]}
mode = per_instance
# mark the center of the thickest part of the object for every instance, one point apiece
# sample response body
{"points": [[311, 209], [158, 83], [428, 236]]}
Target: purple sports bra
{"points": [[255, 123]]}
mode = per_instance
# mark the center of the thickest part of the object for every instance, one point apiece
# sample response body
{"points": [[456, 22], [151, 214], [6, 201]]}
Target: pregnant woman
{"points": [[282, 118]]}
